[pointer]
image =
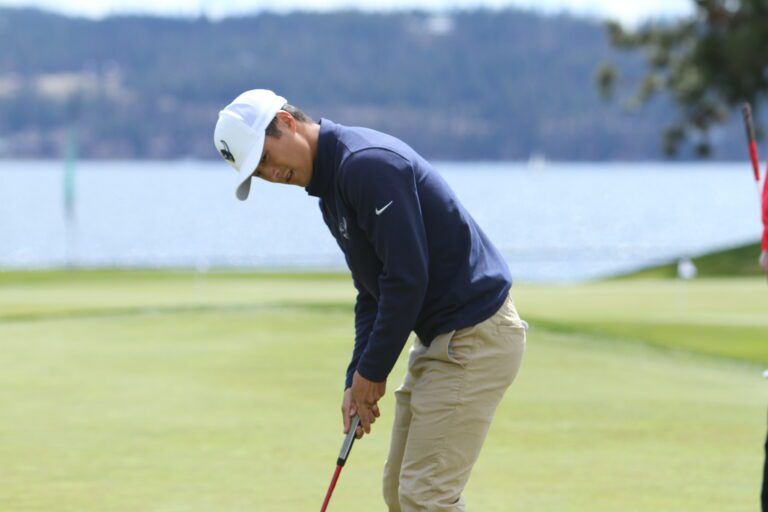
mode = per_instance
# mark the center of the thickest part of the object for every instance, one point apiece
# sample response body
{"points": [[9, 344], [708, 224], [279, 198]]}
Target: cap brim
{"points": [[246, 170], [243, 190]]}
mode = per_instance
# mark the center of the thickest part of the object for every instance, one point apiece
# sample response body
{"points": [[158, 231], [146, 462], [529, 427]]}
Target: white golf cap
{"points": [[239, 134]]}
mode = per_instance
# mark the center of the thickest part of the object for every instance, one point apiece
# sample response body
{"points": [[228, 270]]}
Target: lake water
{"points": [[554, 222]]}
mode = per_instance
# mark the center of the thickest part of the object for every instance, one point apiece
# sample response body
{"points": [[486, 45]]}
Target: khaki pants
{"points": [[444, 409]]}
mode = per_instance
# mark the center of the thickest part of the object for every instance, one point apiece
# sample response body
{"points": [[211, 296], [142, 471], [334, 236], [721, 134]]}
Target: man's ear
{"points": [[287, 120]]}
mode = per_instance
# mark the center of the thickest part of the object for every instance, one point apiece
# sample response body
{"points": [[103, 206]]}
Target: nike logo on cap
{"points": [[226, 153], [380, 210]]}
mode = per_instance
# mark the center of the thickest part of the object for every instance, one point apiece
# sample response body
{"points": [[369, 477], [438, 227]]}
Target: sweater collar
{"points": [[323, 167]]}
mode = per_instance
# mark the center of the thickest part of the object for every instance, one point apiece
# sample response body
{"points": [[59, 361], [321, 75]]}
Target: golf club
{"points": [[346, 447], [761, 196], [746, 110]]}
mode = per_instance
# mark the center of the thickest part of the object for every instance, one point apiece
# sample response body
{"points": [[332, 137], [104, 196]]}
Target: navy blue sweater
{"points": [[418, 260]]}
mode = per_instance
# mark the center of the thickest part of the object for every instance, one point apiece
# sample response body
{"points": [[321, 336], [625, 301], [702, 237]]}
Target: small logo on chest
{"points": [[343, 228], [379, 211]]}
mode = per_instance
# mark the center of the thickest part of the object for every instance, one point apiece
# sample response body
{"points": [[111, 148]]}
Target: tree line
{"points": [[465, 85]]}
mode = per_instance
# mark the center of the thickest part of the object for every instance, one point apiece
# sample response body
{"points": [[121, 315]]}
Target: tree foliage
{"points": [[709, 64]]}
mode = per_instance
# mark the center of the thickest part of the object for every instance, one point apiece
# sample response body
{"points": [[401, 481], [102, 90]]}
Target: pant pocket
{"points": [[463, 344], [439, 349]]}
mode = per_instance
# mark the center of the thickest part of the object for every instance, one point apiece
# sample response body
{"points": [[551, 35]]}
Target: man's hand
{"points": [[764, 261], [362, 399], [348, 411]]}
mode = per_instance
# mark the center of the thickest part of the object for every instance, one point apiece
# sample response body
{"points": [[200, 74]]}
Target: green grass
{"points": [[731, 262], [727, 318], [125, 391]]}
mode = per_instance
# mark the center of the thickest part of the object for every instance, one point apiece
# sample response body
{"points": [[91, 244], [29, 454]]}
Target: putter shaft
{"points": [[346, 447]]}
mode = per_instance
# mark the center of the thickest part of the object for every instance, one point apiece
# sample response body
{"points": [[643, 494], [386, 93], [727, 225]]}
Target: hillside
{"points": [[732, 262], [479, 84]]}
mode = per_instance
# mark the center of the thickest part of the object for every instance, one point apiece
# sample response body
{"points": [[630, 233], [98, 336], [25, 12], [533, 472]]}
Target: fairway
{"points": [[171, 392]]}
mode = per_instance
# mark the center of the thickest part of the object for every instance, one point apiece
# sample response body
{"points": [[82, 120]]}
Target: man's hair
{"points": [[295, 112]]}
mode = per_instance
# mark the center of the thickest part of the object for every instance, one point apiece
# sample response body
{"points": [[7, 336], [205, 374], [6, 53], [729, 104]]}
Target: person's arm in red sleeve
{"points": [[764, 245]]}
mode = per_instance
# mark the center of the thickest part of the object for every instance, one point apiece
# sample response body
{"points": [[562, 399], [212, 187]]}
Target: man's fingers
{"points": [[367, 418], [348, 411], [348, 418], [359, 433], [376, 411], [365, 422]]}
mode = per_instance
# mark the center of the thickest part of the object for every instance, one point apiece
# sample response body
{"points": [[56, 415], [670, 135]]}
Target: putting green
{"points": [[176, 392], [719, 317]]}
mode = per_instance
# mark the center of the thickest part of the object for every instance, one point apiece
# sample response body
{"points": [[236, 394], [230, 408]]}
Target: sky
{"points": [[631, 12]]}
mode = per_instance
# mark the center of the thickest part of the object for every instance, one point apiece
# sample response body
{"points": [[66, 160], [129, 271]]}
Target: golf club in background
{"points": [[346, 447], [748, 124], [746, 110]]}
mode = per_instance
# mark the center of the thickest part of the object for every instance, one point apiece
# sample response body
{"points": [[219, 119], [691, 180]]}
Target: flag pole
{"points": [[68, 187]]}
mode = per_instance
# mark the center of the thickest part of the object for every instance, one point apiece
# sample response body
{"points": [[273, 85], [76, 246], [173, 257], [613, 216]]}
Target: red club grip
{"points": [[755, 160]]}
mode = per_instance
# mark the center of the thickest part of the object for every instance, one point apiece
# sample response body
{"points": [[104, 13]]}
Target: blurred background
{"points": [[165, 347], [538, 114]]}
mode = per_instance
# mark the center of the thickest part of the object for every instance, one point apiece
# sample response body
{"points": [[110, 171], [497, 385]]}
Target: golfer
{"points": [[419, 262], [764, 265], [764, 244]]}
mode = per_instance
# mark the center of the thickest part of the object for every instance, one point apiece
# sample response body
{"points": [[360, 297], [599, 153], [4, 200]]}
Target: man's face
{"points": [[287, 158]]}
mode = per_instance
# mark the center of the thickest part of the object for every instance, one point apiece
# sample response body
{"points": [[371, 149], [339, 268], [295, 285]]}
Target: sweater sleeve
{"points": [[380, 186], [365, 314]]}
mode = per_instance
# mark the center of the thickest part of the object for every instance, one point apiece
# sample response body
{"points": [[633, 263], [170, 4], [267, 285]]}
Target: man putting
{"points": [[764, 243], [419, 263], [764, 265]]}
